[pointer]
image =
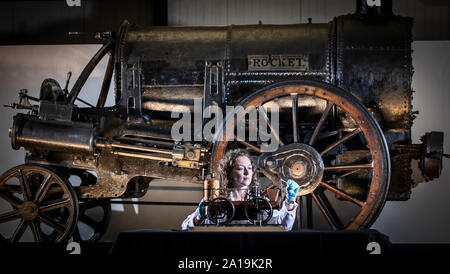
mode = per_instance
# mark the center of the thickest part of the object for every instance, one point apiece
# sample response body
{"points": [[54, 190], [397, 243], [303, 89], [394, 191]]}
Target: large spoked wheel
{"points": [[95, 214], [37, 204], [326, 140], [220, 211]]}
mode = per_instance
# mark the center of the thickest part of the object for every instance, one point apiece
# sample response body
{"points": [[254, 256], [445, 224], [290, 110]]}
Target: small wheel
{"points": [[44, 206], [95, 214], [220, 211], [258, 210]]}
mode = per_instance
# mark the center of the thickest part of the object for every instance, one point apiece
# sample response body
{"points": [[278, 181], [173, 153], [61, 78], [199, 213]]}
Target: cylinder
{"points": [[211, 189], [52, 135]]}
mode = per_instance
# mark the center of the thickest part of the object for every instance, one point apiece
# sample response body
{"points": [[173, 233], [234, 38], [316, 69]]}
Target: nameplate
{"points": [[277, 62]]}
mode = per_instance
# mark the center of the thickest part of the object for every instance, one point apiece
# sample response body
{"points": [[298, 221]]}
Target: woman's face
{"points": [[242, 172]]}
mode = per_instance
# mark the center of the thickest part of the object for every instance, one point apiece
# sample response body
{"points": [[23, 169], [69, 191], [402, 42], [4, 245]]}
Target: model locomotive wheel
{"points": [[220, 211], [328, 142], [43, 206], [258, 210]]}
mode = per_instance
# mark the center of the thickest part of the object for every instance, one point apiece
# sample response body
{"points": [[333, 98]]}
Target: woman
{"points": [[237, 173]]}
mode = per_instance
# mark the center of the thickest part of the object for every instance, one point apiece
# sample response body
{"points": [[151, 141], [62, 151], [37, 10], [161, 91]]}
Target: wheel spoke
{"points": [[9, 216], [25, 187], [294, 98], [247, 144], [342, 194], [319, 125], [54, 204], [348, 167], [18, 233], [42, 190], [14, 201], [51, 223], [36, 231], [323, 200], [266, 118], [342, 176], [340, 141], [324, 213], [12, 188]]}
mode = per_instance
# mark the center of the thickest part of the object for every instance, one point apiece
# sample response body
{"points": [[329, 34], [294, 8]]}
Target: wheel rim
{"points": [[40, 201], [334, 101]]}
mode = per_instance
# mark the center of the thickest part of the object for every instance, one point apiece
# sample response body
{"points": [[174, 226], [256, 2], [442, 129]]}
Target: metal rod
{"points": [[145, 149], [84, 102], [142, 156]]}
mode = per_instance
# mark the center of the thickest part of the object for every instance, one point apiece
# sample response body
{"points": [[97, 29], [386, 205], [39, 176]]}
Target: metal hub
{"points": [[29, 211], [299, 162], [298, 169]]}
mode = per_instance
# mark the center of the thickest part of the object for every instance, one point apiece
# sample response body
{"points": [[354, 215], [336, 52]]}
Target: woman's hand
{"points": [[200, 218], [292, 189]]}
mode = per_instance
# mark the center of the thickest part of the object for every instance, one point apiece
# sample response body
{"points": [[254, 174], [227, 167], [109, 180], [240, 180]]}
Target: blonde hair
{"points": [[227, 163]]}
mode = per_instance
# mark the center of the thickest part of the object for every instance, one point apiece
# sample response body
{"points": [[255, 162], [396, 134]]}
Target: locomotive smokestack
{"points": [[374, 8]]}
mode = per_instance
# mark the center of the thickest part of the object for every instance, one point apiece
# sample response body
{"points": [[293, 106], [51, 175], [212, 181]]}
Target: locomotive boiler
{"points": [[334, 97]]}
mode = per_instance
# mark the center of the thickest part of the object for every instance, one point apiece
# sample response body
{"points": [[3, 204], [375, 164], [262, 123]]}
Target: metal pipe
{"points": [[144, 149]]}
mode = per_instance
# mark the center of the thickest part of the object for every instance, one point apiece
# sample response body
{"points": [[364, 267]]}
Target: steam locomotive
{"points": [[341, 91]]}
